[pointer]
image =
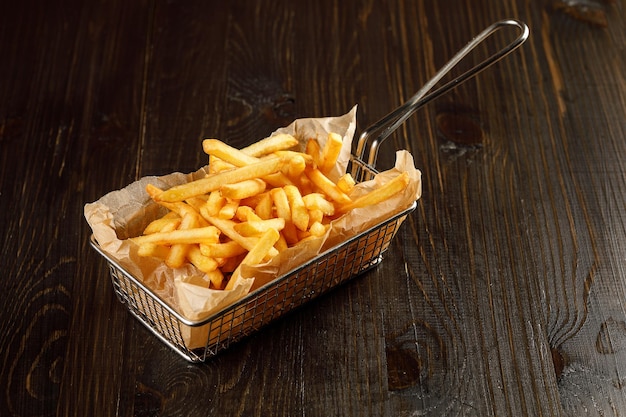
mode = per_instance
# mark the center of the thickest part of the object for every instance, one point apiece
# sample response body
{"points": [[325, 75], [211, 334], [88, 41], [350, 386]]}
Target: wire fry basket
{"points": [[314, 278], [262, 306]]}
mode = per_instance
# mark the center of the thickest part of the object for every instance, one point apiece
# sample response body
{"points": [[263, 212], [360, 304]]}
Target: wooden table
{"points": [[503, 293]]}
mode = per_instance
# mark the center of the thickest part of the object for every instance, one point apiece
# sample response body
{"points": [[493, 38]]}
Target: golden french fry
{"points": [[176, 256], [281, 244], [278, 179], [180, 208], [346, 183], [313, 149], [164, 224], [270, 145], [227, 153], [378, 195], [229, 249], [243, 189], [152, 249], [281, 203], [327, 186], [302, 235], [246, 214], [308, 159], [215, 181], [263, 207], [299, 212], [228, 228], [317, 229], [317, 201], [296, 166], [260, 251], [258, 227], [213, 205], [229, 209], [217, 279], [201, 261], [217, 165], [240, 159], [208, 234], [197, 202], [178, 250], [330, 152], [315, 216]]}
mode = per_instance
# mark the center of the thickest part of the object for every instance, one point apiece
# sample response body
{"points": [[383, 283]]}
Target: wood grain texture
{"points": [[503, 293]]}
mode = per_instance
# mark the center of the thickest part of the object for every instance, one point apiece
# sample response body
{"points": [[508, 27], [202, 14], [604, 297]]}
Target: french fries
{"points": [[255, 203]]}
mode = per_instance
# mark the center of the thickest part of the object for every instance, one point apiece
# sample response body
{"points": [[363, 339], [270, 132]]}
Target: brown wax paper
{"points": [[124, 213]]}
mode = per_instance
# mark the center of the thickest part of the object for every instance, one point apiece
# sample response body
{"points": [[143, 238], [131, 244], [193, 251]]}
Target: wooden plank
{"points": [[502, 294], [69, 76]]}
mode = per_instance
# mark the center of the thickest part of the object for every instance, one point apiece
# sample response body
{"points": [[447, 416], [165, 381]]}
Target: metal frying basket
{"points": [[197, 340]]}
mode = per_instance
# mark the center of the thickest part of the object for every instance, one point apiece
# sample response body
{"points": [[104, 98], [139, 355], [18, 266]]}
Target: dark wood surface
{"points": [[503, 294]]}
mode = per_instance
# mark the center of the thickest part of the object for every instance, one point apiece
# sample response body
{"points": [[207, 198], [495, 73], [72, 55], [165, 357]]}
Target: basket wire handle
{"points": [[388, 124]]}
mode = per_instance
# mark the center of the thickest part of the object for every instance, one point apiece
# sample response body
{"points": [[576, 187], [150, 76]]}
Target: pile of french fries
{"points": [[254, 203]]}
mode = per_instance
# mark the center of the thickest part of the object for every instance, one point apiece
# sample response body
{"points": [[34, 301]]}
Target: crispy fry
{"points": [[217, 165], [216, 181], [315, 216], [313, 149], [223, 250], [281, 203], [197, 202], [299, 212], [208, 234], [330, 152], [317, 201], [243, 189], [153, 190], [290, 233], [263, 207], [246, 214], [258, 227], [227, 153], [260, 251], [217, 279], [297, 164], [199, 260], [152, 249], [180, 208], [327, 186], [228, 228], [378, 195], [164, 224], [317, 229], [214, 204], [229, 209], [178, 251], [239, 158], [279, 179], [346, 183], [281, 244], [270, 145]]}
